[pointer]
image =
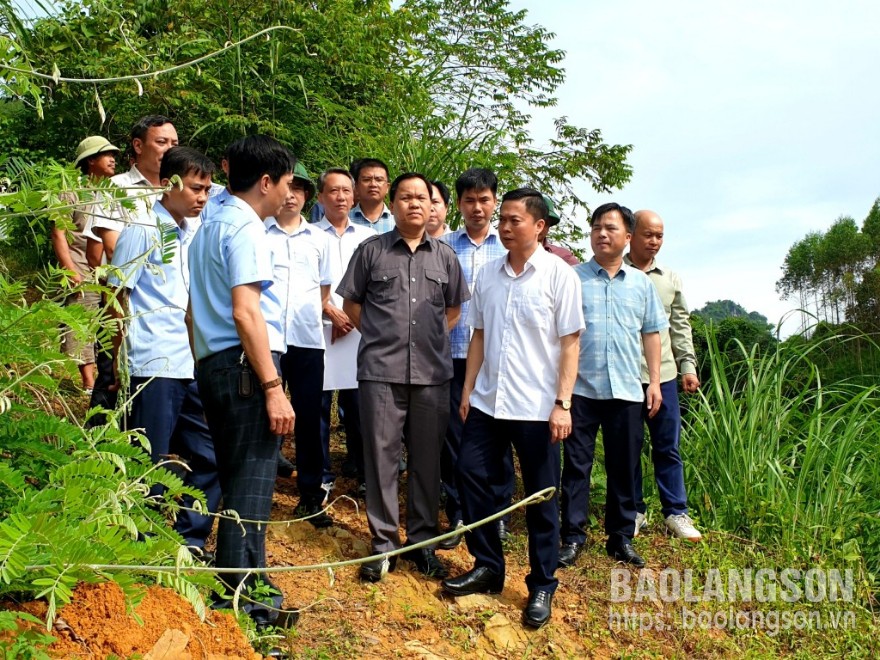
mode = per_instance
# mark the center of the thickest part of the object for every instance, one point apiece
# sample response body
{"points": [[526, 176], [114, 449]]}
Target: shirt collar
{"points": [[189, 224], [326, 225], [427, 242], [598, 270], [304, 227], [136, 177], [653, 267], [386, 213], [242, 205], [492, 236], [536, 261]]}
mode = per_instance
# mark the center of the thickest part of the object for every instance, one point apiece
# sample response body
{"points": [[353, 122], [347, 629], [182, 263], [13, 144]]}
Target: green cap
{"points": [[552, 216], [95, 144], [300, 172]]}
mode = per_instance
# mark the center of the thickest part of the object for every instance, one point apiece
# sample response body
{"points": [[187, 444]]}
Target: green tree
{"points": [[427, 85]]}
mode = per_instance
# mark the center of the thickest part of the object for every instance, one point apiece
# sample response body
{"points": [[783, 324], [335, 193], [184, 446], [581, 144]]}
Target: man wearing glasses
{"points": [[371, 185]]}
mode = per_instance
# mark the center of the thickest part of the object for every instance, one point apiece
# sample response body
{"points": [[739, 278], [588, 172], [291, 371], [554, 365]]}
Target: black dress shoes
{"points": [[626, 553], [372, 571], [480, 580], [503, 531], [537, 611], [569, 552], [314, 513], [452, 541], [426, 562]]}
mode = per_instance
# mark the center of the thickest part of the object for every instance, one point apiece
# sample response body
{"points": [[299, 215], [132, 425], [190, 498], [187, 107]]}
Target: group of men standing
{"points": [[468, 344]]}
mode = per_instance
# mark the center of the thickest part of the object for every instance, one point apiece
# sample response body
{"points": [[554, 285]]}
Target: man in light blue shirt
{"points": [[153, 278], [475, 245], [238, 341], [372, 181], [623, 313], [301, 257]]}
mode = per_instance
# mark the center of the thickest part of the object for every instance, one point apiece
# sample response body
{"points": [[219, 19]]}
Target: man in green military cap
{"points": [[552, 220], [302, 277]]}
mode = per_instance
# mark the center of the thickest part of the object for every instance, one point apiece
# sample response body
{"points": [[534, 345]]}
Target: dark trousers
{"points": [[247, 462], [622, 437], [101, 394], [503, 492], [348, 405], [665, 430], [484, 442], [387, 410], [302, 370], [170, 412]]}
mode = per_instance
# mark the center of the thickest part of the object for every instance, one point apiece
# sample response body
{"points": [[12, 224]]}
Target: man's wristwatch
{"points": [[269, 384], [565, 404]]}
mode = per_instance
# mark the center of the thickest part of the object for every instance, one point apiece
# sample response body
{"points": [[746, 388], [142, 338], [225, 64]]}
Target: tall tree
{"points": [[436, 86]]}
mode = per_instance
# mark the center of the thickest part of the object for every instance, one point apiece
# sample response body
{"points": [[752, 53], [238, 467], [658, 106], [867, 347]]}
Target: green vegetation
{"points": [[781, 457], [69, 496], [779, 446]]}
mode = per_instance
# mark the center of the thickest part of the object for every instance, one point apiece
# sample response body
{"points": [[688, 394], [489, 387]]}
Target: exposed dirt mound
{"points": [[96, 625]]}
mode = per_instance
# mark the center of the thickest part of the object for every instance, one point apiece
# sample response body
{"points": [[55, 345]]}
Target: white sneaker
{"points": [[681, 526], [641, 523]]}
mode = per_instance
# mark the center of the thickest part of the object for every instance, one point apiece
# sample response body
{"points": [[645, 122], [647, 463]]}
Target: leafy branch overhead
{"points": [[427, 85]]}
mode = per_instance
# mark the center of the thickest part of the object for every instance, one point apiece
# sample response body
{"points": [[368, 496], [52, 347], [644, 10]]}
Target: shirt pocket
{"points": [[436, 282], [533, 311], [385, 285]]}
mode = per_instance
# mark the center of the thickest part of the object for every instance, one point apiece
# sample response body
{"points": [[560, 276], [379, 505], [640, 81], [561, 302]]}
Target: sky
{"points": [[752, 123]]}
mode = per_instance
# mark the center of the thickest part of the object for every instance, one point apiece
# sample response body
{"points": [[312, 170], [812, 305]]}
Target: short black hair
{"points": [[357, 166], [322, 180], [404, 177], [532, 199], [182, 161], [629, 220], [476, 178], [444, 191], [139, 130], [255, 155]]}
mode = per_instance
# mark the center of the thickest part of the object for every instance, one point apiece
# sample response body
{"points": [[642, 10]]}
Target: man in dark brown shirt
{"points": [[403, 290]]}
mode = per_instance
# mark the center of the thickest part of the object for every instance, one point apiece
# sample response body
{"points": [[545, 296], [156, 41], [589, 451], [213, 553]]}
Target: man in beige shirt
{"points": [[677, 356]]}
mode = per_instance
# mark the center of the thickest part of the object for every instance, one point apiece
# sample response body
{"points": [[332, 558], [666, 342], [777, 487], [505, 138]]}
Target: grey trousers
{"points": [[387, 409]]}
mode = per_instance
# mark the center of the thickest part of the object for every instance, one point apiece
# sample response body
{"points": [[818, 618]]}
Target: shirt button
{"points": [[413, 299], [413, 279], [385, 277], [412, 344], [413, 322]]}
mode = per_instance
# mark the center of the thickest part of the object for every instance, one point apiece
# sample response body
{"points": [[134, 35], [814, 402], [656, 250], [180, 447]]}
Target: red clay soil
{"points": [[95, 624]]}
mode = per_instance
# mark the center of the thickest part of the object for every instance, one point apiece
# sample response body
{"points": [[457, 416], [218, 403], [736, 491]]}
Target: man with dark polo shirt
{"points": [[403, 290]]}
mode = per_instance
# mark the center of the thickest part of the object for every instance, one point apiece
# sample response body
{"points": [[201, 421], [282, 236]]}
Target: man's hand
{"points": [[465, 406], [281, 415], [690, 383], [342, 325], [653, 399], [560, 424]]}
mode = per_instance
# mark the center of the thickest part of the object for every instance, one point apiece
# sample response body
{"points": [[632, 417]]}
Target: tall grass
{"points": [[774, 454]]}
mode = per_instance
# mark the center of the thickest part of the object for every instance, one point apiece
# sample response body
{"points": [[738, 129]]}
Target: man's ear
{"points": [[137, 146], [265, 183]]}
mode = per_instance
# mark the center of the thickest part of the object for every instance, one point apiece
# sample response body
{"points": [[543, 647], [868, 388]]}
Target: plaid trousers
{"points": [[247, 463]]}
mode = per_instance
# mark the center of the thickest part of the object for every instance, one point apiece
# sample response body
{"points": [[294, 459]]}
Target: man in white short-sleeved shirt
{"points": [[521, 366]]}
